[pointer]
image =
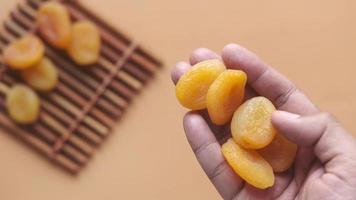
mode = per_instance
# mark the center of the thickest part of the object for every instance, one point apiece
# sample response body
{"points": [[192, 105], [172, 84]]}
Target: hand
{"points": [[325, 164]]}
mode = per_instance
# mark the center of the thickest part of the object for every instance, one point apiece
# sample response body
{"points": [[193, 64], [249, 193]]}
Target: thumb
{"points": [[304, 131], [320, 130]]}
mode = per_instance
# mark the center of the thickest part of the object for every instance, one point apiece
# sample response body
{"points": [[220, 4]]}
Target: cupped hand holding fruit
{"points": [[324, 165]]}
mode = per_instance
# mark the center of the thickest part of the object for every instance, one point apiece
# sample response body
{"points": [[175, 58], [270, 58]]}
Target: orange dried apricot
{"points": [[249, 165], [192, 87], [24, 52], [280, 153], [42, 76], [225, 95], [84, 48], [54, 24], [22, 104], [251, 125]]}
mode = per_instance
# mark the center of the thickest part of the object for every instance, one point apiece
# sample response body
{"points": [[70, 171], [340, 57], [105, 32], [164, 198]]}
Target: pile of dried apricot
{"points": [[84, 48], [24, 52], [43, 76], [54, 24], [81, 40], [26, 55], [256, 150], [23, 104]]}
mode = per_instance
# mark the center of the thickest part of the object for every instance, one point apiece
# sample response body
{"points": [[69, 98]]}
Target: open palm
{"points": [[325, 164]]}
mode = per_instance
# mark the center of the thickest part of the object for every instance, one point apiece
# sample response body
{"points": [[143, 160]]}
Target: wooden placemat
{"points": [[77, 116]]}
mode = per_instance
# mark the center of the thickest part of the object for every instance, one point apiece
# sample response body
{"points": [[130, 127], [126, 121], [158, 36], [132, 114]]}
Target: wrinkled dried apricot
{"points": [[280, 153], [24, 52], [43, 76], [54, 24], [249, 165], [225, 95], [22, 104], [192, 87], [84, 48], [251, 125]]}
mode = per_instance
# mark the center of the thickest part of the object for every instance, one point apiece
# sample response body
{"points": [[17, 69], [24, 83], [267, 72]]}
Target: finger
{"points": [[202, 54], [266, 81], [179, 70], [302, 164], [249, 92], [221, 133], [199, 55], [208, 153], [282, 181], [320, 130]]}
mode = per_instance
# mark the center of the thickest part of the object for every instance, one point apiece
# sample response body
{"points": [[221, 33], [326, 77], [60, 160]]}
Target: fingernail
{"points": [[179, 70], [284, 114]]}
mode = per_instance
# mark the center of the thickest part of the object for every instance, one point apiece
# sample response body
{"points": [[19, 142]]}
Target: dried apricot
{"points": [[251, 125], [84, 48], [24, 52], [42, 76], [280, 153], [249, 165], [22, 104], [54, 24], [225, 95], [192, 87]]}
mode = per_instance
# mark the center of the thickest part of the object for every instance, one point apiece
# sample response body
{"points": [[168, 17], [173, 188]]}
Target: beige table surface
{"points": [[147, 157]]}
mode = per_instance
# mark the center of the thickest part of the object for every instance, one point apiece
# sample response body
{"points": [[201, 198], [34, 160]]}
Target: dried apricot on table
{"points": [[251, 125], [23, 52], [22, 104], [225, 95], [43, 76], [192, 87], [84, 48], [54, 24], [249, 165], [280, 153]]}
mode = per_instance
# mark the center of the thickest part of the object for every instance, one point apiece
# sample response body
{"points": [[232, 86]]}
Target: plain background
{"points": [[313, 42]]}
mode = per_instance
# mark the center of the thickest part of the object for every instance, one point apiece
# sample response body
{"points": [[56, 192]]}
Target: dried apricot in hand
{"points": [[22, 104], [54, 24], [249, 165], [251, 125], [85, 44], [24, 52], [42, 76], [225, 95], [192, 87], [280, 153]]}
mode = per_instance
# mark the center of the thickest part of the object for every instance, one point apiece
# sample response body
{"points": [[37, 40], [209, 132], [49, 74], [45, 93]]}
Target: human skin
{"points": [[325, 164]]}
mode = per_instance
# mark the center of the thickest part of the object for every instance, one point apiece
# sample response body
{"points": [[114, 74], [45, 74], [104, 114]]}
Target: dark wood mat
{"points": [[77, 116]]}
